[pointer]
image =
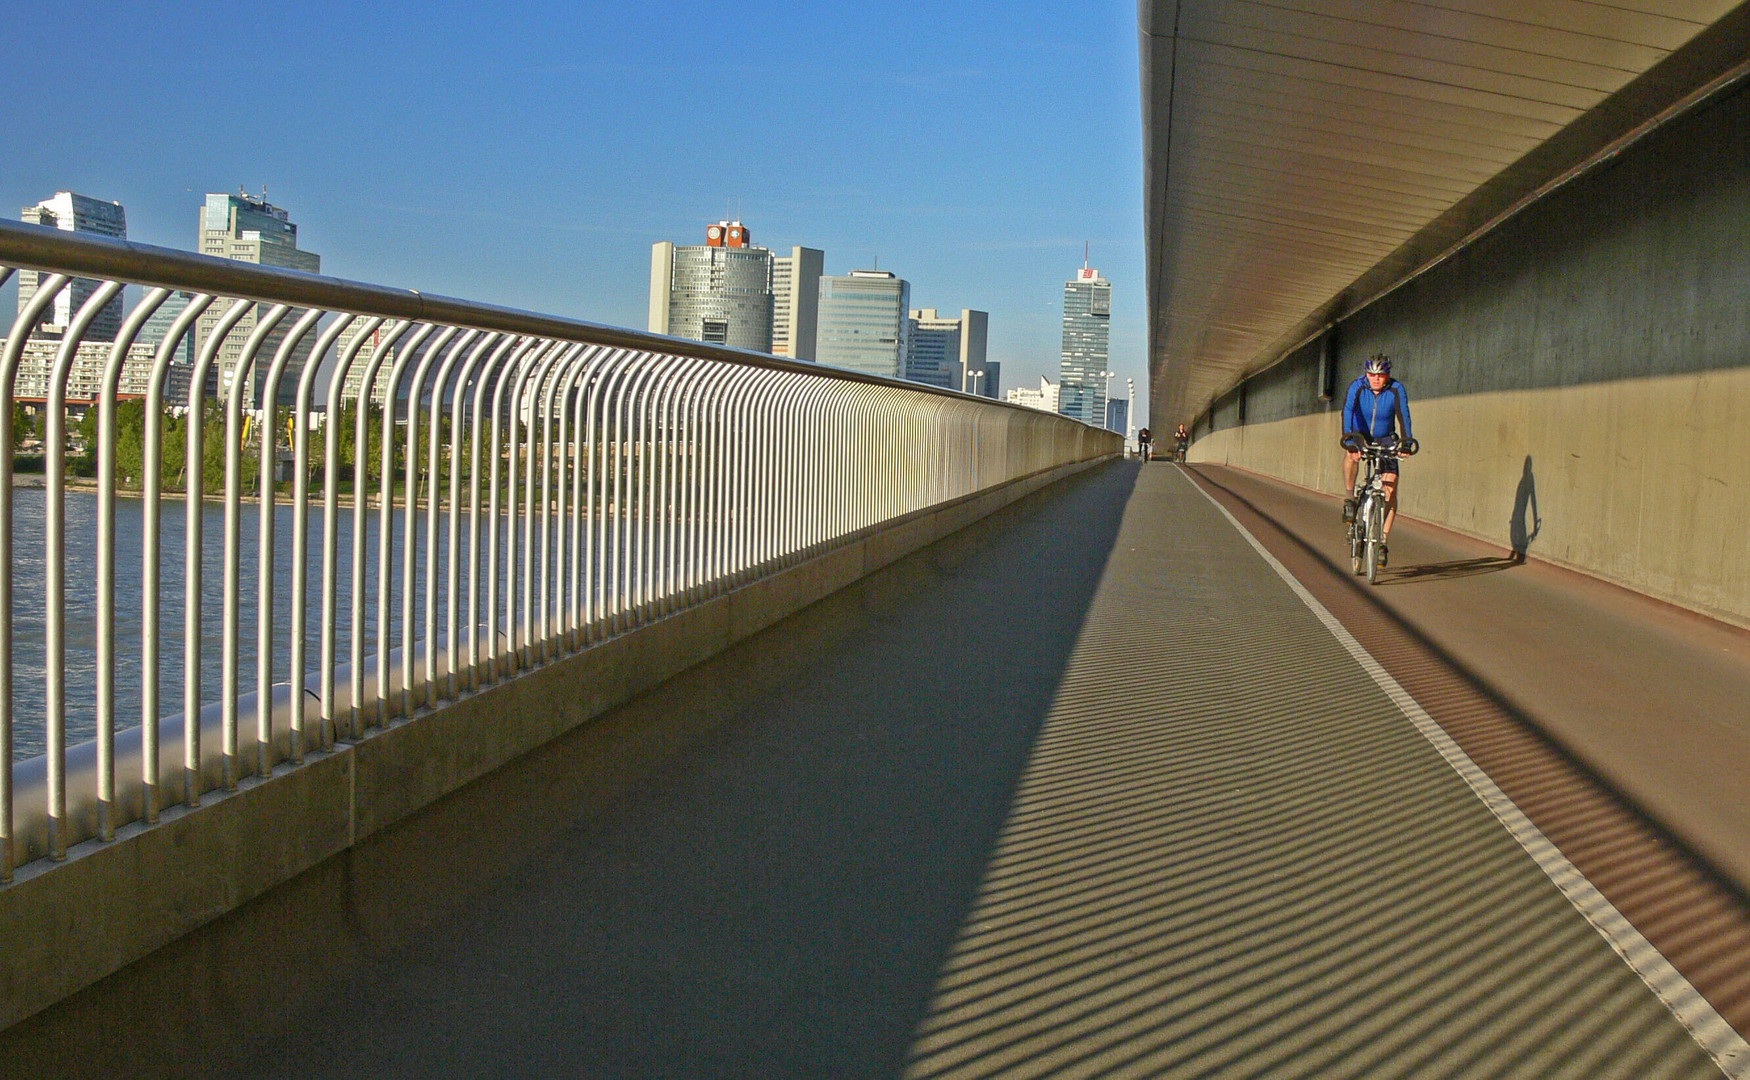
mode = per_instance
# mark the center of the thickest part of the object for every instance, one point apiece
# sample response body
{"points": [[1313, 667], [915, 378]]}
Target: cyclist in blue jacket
{"points": [[1377, 406]]}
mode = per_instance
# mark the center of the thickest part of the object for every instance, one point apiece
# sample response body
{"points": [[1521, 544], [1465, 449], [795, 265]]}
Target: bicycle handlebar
{"points": [[1359, 442]]}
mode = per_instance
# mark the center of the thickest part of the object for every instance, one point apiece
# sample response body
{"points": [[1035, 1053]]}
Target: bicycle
{"points": [[1367, 526]]}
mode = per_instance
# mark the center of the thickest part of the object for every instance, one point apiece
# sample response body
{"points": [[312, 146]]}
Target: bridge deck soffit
{"points": [[1303, 157]]}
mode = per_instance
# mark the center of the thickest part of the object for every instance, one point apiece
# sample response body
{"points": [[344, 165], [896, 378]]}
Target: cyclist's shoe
{"points": [[1349, 510], [1383, 553]]}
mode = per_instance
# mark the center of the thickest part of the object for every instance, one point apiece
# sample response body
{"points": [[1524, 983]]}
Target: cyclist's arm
{"points": [[1352, 418], [1404, 411]]}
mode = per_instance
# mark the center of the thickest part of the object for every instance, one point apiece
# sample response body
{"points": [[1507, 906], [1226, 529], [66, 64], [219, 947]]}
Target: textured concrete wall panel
{"points": [[1596, 477]]}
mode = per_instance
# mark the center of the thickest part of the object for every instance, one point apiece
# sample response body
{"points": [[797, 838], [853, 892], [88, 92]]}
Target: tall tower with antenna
{"points": [[1087, 331]]}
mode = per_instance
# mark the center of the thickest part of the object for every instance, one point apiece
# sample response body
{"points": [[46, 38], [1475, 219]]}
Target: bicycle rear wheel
{"points": [[1357, 543]]}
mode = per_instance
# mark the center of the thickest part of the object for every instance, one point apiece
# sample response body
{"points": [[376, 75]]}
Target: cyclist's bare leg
{"points": [[1351, 463], [1390, 481]]}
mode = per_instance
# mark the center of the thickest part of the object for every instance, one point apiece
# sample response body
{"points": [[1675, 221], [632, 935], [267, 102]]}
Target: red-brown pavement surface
{"points": [[1619, 724]]}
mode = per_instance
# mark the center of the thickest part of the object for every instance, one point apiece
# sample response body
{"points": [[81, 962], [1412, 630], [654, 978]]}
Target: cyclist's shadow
{"points": [[1456, 568], [1522, 529], [1524, 505]]}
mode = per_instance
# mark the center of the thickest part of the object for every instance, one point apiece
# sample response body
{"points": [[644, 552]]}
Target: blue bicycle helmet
{"points": [[1378, 364]]}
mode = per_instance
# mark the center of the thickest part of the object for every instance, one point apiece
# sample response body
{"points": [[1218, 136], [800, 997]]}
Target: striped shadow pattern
{"points": [[1232, 855]]}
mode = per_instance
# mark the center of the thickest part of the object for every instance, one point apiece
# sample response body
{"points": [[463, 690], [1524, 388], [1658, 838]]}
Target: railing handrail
{"points": [[47, 249]]}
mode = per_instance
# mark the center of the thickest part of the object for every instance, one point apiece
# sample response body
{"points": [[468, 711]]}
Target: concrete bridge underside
{"points": [[1127, 780], [1541, 213]]}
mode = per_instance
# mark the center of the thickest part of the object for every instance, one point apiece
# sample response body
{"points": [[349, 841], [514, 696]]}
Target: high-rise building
{"points": [[355, 375], [1044, 399], [986, 382], [796, 302], [85, 376], [934, 355], [863, 322], [157, 327], [1117, 415], [719, 292], [946, 351], [1087, 327], [72, 212], [248, 229]]}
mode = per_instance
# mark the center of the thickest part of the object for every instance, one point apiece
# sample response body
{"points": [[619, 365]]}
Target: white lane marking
{"points": [[1727, 1048]]}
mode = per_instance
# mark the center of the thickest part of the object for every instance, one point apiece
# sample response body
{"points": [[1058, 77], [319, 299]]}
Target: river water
{"points": [[29, 594]]}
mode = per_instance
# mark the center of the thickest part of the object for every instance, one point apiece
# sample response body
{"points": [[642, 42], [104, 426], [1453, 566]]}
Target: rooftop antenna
{"points": [[1084, 254], [877, 262]]}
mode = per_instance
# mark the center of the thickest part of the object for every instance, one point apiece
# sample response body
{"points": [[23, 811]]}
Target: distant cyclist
{"points": [[1181, 442], [1143, 441], [1377, 406]]}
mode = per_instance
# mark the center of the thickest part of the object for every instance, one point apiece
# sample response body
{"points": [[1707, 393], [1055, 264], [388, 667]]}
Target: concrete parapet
{"points": [[67, 925]]}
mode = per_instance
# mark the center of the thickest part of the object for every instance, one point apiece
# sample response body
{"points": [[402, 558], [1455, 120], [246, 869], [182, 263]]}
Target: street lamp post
{"points": [[1130, 411]]}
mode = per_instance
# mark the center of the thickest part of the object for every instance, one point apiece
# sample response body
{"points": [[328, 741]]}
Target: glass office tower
{"points": [[1087, 327], [863, 324], [72, 212]]}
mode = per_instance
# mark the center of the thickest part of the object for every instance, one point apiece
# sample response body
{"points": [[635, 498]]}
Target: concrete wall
{"points": [[67, 925], [1588, 362]]}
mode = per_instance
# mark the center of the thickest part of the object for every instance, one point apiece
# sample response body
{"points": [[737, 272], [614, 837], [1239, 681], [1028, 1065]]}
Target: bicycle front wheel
{"points": [[1375, 540]]}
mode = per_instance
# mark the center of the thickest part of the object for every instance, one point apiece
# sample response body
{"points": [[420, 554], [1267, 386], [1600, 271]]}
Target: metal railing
{"points": [[528, 486]]}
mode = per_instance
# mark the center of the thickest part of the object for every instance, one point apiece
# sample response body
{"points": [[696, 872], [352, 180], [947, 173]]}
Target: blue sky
{"points": [[529, 154]]}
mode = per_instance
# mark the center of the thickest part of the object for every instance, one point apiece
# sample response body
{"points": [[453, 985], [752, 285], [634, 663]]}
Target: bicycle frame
{"points": [[1367, 528]]}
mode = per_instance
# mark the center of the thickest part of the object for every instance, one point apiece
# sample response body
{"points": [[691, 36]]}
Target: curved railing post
{"points": [[231, 613], [106, 449], [264, 553], [432, 500], [361, 513], [152, 465], [299, 657], [28, 318], [386, 523], [487, 382], [55, 565]]}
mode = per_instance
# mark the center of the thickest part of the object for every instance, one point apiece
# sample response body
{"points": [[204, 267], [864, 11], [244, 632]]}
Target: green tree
{"points": [[213, 452], [130, 443], [23, 427]]}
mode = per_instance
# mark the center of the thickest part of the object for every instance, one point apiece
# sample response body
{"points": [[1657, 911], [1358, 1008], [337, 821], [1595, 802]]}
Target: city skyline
{"points": [[537, 175]]}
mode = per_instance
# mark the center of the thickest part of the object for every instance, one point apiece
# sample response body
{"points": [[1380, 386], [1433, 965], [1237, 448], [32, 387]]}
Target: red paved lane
{"points": [[1619, 724]]}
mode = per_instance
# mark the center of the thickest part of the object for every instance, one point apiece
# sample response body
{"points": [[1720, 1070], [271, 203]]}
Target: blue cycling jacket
{"points": [[1373, 413]]}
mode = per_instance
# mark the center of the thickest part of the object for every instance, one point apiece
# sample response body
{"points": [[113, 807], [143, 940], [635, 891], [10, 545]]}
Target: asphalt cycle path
{"points": [[1616, 722], [1240, 849]]}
